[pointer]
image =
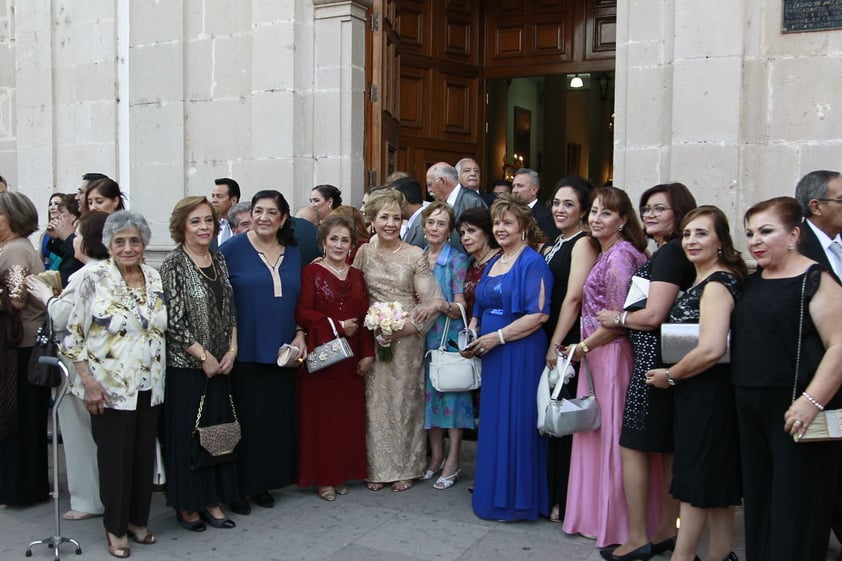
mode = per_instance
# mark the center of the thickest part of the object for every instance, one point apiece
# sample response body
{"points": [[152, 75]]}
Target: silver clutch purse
{"points": [[329, 353], [678, 339], [288, 356]]}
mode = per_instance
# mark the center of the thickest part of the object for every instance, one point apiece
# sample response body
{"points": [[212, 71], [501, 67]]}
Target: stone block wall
{"points": [[712, 94], [167, 96]]}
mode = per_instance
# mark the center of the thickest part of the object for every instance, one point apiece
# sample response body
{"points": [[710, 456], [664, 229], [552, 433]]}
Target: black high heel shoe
{"points": [[642, 553], [216, 522], [664, 546], [195, 526]]}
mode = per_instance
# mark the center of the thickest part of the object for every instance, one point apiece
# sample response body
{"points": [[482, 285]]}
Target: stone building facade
{"points": [[167, 95]]}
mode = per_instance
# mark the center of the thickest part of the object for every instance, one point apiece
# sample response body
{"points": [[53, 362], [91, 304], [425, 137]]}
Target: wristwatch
{"points": [[616, 319], [204, 356], [585, 348], [670, 380]]}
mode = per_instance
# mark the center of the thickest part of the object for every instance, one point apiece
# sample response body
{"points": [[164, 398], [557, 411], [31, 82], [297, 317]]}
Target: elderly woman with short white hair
{"points": [[116, 342]]}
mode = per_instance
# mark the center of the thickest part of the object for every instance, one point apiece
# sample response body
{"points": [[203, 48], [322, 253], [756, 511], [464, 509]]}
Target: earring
{"points": [[523, 235], [324, 251], [790, 248], [620, 228], [719, 252]]}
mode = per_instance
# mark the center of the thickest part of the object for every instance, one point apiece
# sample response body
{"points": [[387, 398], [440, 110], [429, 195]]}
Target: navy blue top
{"points": [[264, 321]]}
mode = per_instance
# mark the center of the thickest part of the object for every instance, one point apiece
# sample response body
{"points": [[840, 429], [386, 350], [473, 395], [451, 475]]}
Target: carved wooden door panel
{"points": [[382, 139]]}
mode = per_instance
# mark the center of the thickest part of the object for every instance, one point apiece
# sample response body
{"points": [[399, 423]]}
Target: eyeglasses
{"points": [[655, 210], [830, 200]]}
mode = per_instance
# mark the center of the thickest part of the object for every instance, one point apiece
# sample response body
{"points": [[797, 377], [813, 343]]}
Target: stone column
{"points": [[339, 95]]}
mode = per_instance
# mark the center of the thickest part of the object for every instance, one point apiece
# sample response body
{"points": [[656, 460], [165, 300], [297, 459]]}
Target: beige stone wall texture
{"points": [[167, 96], [712, 94]]}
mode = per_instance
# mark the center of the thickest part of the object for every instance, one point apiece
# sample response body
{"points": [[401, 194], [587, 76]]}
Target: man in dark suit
{"points": [[443, 183], [469, 177], [820, 195], [525, 188], [413, 232]]}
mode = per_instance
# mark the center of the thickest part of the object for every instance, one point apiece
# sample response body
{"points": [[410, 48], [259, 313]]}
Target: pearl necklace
{"points": [[338, 271], [503, 258]]}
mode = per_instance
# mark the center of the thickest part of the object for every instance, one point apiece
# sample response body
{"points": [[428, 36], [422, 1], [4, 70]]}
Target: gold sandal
{"points": [[401, 485], [327, 493]]}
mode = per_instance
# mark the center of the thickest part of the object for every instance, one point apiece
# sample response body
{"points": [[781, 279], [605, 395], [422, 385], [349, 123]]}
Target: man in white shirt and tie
{"points": [[225, 194]]}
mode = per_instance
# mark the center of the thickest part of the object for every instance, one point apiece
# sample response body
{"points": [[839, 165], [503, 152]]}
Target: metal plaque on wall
{"points": [[811, 15]]}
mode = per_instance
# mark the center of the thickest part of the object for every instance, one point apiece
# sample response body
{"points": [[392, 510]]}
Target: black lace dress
{"points": [[706, 470], [647, 414]]}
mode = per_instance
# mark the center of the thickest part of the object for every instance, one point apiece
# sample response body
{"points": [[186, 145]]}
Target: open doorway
{"points": [[558, 125]]}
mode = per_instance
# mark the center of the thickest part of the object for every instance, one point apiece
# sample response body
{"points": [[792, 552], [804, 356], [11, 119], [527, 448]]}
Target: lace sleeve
{"points": [[426, 289]]}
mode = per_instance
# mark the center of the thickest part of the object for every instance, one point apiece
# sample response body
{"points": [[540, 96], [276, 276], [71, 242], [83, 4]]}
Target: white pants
{"points": [[79, 455]]}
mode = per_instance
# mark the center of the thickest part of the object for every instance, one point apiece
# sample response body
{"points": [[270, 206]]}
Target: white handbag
{"points": [[569, 416], [450, 371]]}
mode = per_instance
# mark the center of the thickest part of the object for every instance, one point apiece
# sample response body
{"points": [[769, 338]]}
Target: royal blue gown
{"points": [[511, 471]]}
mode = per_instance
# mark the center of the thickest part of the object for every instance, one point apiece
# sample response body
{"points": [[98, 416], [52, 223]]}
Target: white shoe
{"points": [[447, 482], [430, 473]]}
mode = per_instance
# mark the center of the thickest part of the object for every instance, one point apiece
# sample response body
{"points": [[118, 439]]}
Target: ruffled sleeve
{"points": [[532, 285]]}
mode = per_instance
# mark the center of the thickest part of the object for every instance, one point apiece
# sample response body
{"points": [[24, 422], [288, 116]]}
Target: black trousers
{"points": [[125, 443], [789, 488]]}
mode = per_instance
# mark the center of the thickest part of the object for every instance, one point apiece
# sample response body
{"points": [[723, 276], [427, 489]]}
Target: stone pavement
{"points": [[421, 524]]}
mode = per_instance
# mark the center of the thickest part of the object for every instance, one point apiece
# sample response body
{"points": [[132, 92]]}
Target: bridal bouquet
{"points": [[384, 318]]}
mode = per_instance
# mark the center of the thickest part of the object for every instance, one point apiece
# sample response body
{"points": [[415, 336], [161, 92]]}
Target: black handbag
{"points": [[44, 375], [214, 444]]}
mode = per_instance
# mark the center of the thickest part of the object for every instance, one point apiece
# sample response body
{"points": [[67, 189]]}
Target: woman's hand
{"points": [[606, 318], [38, 289], [210, 366], [350, 326], [95, 395], [552, 355], [799, 416], [658, 377], [481, 346], [62, 226], [364, 365], [226, 363], [300, 342], [577, 356], [424, 312]]}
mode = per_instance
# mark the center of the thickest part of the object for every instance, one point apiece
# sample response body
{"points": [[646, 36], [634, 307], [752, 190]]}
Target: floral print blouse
{"points": [[119, 332]]}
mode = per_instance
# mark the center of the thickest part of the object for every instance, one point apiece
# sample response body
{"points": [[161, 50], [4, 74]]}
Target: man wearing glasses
{"points": [[820, 195]]}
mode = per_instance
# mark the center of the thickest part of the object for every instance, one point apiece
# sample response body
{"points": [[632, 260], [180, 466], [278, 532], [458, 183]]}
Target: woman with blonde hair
{"points": [[512, 302], [395, 271]]}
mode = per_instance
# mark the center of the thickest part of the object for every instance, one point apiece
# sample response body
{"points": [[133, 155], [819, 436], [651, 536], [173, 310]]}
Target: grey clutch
{"points": [[678, 339]]}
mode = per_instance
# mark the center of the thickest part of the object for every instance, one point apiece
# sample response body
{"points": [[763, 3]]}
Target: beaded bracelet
{"points": [[812, 400]]}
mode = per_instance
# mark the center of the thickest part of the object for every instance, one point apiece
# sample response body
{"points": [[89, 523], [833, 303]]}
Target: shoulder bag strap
{"points": [[800, 333]]}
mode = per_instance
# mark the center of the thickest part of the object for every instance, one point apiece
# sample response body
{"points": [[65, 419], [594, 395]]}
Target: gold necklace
{"points": [[191, 255]]}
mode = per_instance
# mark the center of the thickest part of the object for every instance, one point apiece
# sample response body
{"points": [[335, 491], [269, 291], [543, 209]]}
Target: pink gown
{"points": [[596, 504]]}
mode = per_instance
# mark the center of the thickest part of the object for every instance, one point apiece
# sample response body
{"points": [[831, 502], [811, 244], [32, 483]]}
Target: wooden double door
{"points": [[429, 63]]}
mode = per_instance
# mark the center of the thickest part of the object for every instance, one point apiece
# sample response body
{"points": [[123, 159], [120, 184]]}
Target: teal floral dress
{"points": [[450, 409]]}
